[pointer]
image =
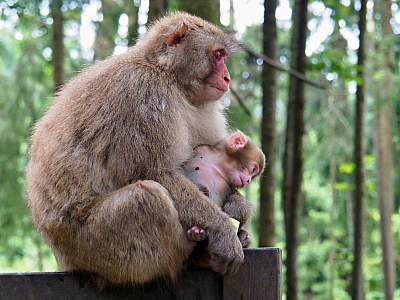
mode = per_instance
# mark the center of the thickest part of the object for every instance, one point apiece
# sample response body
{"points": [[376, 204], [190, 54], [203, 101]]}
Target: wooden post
{"points": [[260, 277]]}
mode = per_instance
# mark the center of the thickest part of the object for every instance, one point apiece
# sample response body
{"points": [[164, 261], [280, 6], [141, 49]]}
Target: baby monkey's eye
{"points": [[254, 170]]}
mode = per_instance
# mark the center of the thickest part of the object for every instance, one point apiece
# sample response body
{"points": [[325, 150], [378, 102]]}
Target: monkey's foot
{"points": [[196, 234]]}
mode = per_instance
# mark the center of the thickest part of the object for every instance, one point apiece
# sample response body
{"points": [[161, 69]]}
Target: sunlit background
{"points": [[246, 13]]}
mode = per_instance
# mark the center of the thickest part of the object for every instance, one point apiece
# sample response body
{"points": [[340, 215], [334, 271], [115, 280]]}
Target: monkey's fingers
{"points": [[226, 252], [244, 238], [224, 265], [196, 234]]}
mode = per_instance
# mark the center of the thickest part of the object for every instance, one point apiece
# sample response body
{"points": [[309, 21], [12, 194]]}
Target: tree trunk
{"points": [[206, 9], [133, 25], [58, 46], [332, 175], [268, 130], [350, 216], [384, 157], [293, 157], [359, 199], [157, 8], [107, 31]]}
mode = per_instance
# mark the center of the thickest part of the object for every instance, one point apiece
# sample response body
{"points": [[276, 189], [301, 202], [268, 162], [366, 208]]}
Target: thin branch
{"points": [[342, 119], [280, 67], [241, 102]]}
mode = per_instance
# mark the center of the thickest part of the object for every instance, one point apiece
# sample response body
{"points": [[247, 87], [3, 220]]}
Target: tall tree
{"points": [[206, 9], [359, 180], [133, 25], [332, 175], [268, 129], [107, 29], [384, 155], [157, 8], [58, 43], [293, 157]]}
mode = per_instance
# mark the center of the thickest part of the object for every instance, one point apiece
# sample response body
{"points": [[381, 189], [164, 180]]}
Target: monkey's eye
{"points": [[254, 170], [219, 54]]}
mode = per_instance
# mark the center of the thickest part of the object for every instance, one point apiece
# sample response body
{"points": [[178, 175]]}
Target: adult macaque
{"points": [[218, 170], [105, 185]]}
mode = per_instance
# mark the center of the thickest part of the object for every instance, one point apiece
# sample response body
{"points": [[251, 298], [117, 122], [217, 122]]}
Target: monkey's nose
{"points": [[227, 79]]}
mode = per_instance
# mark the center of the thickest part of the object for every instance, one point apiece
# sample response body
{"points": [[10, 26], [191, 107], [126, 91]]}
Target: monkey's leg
{"points": [[132, 235]]}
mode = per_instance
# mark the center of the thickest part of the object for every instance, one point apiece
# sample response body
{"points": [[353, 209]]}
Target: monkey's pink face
{"points": [[217, 84], [242, 175]]}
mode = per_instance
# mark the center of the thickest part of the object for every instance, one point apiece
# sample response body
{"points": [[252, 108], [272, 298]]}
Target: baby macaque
{"points": [[218, 170]]}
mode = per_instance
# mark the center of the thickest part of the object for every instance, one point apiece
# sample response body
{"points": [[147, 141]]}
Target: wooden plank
{"points": [[62, 286], [258, 278], [199, 284]]}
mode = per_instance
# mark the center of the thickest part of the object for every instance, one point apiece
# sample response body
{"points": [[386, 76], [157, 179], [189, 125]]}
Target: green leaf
{"points": [[347, 167]]}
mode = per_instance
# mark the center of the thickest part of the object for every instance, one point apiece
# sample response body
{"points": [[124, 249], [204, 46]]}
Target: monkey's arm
{"points": [[237, 207], [195, 209]]}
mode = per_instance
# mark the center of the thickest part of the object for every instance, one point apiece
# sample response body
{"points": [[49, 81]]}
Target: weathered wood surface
{"points": [[260, 277]]}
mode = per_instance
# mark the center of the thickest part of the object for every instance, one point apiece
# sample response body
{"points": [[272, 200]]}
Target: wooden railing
{"points": [[260, 277]]}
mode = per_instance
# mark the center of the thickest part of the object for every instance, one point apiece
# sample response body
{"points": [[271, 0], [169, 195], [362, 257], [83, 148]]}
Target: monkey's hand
{"points": [[238, 207], [244, 238], [195, 209], [226, 251]]}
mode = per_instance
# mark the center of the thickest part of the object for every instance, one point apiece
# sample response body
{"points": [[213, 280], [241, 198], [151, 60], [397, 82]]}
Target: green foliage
{"points": [[24, 85], [245, 71], [347, 167], [206, 9]]}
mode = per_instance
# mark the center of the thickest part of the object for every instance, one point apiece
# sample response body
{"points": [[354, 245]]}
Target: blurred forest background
{"points": [[332, 142]]}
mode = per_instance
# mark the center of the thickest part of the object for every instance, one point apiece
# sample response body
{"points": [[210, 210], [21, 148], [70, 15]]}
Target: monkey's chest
{"points": [[207, 179]]}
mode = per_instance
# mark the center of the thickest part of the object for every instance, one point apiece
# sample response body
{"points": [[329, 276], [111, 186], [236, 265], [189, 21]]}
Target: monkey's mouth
{"points": [[242, 182], [222, 90], [239, 182]]}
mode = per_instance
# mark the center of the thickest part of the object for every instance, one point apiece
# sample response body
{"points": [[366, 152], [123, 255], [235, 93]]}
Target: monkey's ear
{"points": [[237, 141], [178, 35]]}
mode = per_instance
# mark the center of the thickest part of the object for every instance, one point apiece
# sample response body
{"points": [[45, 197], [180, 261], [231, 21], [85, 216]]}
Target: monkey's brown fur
{"points": [[104, 185]]}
